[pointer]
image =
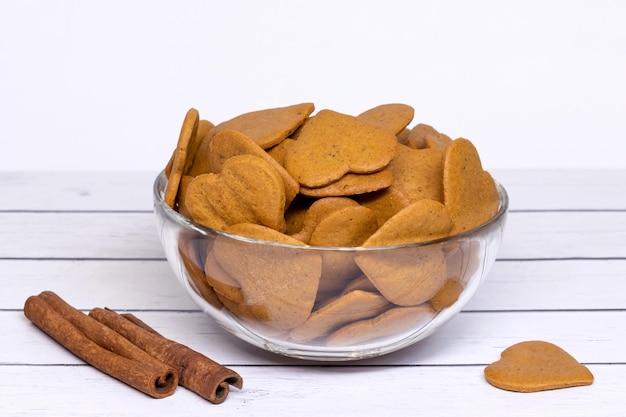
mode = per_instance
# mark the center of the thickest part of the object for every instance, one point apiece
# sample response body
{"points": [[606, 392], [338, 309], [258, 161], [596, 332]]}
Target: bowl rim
{"points": [[185, 222]]}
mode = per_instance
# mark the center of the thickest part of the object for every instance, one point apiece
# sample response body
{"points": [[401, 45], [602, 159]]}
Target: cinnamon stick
{"points": [[100, 346], [197, 372]]}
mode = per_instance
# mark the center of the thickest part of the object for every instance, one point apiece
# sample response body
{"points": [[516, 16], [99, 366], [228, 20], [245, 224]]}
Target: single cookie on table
{"points": [[537, 365]]}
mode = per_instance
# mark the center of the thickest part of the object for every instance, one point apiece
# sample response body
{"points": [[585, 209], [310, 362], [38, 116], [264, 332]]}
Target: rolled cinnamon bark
{"points": [[99, 346], [197, 372]]}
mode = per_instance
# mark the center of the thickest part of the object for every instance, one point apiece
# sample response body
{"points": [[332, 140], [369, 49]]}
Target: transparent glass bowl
{"points": [[317, 303]]}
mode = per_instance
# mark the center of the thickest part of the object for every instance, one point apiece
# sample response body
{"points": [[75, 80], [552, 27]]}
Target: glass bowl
{"points": [[316, 303]]}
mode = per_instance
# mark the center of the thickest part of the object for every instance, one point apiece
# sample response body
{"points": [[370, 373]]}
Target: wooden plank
{"points": [[553, 285], [468, 338], [151, 285], [564, 235], [141, 285], [79, 235], [54, 191], [564, 189], [122, 191], [310, 391], [535, 235]]}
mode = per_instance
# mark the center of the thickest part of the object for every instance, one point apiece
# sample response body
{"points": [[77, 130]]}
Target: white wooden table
{"points": [[560, 277]]}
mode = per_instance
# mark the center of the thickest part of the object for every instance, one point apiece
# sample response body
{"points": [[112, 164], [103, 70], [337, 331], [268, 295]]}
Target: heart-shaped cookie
{"points": [[229, 143], [469, 192], [247, 190], [403, 276], [390, 322], [333, 144], [393, 117], [268, 127], [537, 366], [282, 279], [188, 131]]}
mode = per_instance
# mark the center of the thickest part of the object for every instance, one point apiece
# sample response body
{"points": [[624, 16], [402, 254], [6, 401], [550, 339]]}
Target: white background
{"points": [[104, 85]]}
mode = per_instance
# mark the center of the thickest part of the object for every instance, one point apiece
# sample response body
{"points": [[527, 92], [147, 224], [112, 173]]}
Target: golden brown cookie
{"points": [[389, 323], [469, 192], [247, 190], [447, 295], [412, 275], [278, 151], [191, 251], [222, 283], [361, 282], [537, 366], [317, 211], [384, 203], [268, 127], [349, 226], [355, 305], [229, 143], [332, 144], [418, 173], [418, 222], [282, 279], [187, 131], [393, 117], [426, 136], [352, 184], [203, 127]]}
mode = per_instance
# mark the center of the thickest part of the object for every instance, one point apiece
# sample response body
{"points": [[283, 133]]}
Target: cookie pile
{"points": [[327, 179]]}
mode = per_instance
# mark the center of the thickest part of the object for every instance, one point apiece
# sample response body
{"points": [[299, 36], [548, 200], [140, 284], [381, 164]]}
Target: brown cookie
{"points": [[278, 151], [537, 366], [418, 173], [447, 295], [229, 143], [384, 203], [222, 283], [332, 144], [393, 117], [268, 127], [352, 184], [317, 211], [389, 323], [247, 190], [426, 136], [187, 131], [408, 276], [194, 143], [280, 278], [355, 305], [469, 192]]}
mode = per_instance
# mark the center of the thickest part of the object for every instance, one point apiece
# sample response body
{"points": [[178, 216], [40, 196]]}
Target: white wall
{"points": [[104, 85]]}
